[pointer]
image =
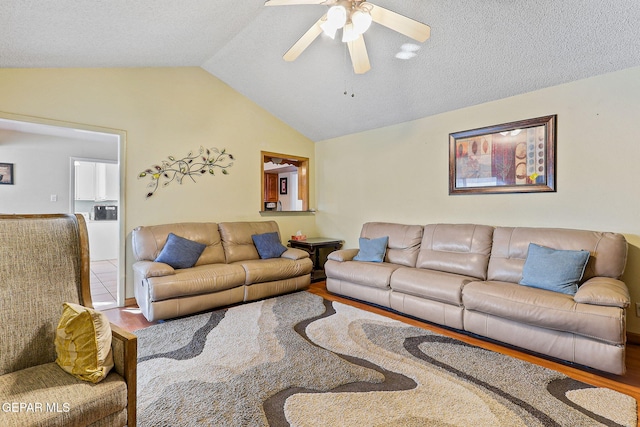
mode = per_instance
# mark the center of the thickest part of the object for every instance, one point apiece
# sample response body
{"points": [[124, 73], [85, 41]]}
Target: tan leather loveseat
{"points": [[467, 276], [228, 271]]}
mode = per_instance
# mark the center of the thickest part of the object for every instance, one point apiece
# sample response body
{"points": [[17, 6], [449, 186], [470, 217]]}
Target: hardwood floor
{"points": [[131, 319]]}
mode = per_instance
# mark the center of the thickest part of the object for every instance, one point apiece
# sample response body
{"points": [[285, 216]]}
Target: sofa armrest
{"points": [[603, 291], [148, 269], [343, 255], [124, 346], [294, 254]]}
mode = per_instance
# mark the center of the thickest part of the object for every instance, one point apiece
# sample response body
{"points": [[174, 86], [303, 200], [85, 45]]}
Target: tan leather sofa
{"points": [[228, 271], [466, 276]]}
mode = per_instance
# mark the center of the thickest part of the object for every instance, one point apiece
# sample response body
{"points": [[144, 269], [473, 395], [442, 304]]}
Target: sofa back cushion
{"points": [[510, 245], [404, 240], [148, 241], [236, 238], [456, 248]]}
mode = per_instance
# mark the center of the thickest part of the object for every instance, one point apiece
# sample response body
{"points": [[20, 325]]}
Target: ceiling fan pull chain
{"points": [[344, 65], [347, 70]]}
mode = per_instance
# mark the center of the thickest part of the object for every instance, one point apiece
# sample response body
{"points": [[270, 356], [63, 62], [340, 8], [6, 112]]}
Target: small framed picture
{"points": [[6, 173], [283, 186]]}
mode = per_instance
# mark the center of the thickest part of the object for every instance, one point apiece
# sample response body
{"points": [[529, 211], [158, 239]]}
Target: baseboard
{"points": [[633, 338], [128, 302]]}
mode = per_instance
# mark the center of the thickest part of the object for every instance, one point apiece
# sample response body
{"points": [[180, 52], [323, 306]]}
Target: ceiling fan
{"points": [[354, 18]]}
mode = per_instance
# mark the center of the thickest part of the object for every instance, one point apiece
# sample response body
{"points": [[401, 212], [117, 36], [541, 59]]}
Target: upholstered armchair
{"points": [[44, 262]]}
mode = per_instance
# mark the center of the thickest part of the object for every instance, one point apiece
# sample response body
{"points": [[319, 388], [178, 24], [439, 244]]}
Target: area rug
{"points": [[300, 360]]}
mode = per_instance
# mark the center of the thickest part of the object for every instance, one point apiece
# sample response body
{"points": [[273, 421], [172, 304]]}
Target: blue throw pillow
{"points": [[268, 245], [372, 250], [553, 269], [179, 252]]}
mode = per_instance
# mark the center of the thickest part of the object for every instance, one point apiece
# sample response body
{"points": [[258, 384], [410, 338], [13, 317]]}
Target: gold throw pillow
{"points": [[83, 343]]}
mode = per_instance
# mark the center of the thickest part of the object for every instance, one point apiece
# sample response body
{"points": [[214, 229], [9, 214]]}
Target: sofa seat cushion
{"points": [[71, 401], [272, 269], [430, 284], [545, 309], [202, 279], [373, 274]]}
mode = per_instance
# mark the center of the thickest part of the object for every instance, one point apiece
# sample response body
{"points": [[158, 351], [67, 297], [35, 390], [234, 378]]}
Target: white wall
{"points": [[400, 173], [41, 167], [290, 200]]}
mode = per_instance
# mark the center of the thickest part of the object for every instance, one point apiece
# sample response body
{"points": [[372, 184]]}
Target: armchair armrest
{"points": [[294, 254], [603, 291], [124, 346], [343, 255], [148, 269]]}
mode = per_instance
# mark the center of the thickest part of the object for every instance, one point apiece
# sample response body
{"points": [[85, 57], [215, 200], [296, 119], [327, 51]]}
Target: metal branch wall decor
{"points": [[206, 161]]}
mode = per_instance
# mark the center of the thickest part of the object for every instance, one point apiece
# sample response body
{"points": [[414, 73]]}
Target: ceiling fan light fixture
{"points": [[329, 30], [349, 33], [336, 18], [354, 17], [361, 21]]}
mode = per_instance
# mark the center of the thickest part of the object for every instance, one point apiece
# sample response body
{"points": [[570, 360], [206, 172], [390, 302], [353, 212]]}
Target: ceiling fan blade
{"points": [[359, 56], [304, 41], [403, 25], [292, 2]]}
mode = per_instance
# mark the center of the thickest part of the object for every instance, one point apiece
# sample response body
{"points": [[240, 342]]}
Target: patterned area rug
{"points": [[300, 360]]}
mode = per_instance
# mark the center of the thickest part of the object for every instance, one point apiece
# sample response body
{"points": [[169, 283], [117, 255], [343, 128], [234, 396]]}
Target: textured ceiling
{"points": [[478, 51]]}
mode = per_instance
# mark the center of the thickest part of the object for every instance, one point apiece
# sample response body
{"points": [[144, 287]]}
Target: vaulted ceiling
{"points": [[478, 51]]}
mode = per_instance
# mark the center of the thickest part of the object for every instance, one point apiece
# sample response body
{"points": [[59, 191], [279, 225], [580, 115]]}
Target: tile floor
{"points": [[104, 283]]}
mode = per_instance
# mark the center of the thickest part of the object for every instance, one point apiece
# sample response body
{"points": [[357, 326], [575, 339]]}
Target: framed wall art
{"points": [[284, 187], [6, 173], [517, 157]]}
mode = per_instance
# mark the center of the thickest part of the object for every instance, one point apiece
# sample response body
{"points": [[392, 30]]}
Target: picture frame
{"points": [[516, 157], [6, 173], [284, 186]]}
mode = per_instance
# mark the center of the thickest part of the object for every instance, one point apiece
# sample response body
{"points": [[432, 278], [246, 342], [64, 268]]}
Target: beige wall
{"points": [[167, 111], [400, 173]]}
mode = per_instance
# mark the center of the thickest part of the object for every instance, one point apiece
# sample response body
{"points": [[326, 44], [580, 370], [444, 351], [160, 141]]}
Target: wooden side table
{"points": [[313, 245]]}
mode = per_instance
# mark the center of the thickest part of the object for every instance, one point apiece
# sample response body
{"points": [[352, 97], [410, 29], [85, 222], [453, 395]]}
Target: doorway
{"points": [[95, 191], [63, 144]]}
